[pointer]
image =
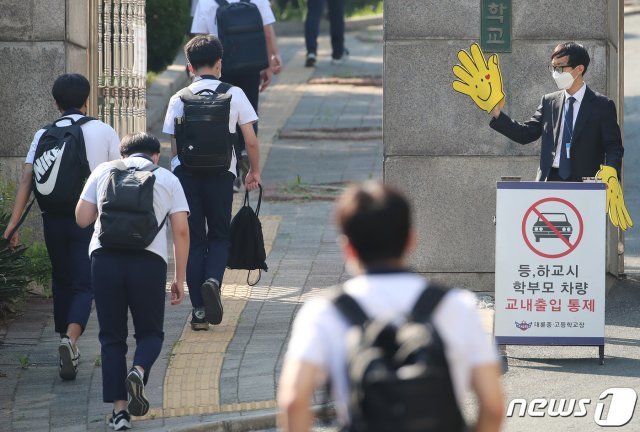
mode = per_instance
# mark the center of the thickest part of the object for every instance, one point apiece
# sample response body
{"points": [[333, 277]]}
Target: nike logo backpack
{"points": [[60, 166]]}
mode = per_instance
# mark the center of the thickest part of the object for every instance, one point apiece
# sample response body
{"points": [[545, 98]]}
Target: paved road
{"points": [[632, 138]]}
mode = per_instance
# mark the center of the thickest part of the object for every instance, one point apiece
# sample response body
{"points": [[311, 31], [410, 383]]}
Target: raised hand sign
{"points": [[480, 81]]}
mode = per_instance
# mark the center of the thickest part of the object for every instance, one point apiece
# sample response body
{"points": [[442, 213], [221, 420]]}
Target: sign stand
{"points": [[550, 264]]}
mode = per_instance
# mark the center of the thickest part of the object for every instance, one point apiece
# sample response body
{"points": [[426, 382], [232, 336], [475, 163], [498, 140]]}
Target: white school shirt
{"points": [[319, 330], [241, 113], [204, 21], [168, 198], [100, 140], [560, 146]]}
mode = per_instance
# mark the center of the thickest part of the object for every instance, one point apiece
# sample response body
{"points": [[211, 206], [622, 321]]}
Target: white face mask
{"points": [[563, 80]]}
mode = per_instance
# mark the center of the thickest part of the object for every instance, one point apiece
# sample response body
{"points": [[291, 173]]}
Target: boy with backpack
{"points": [[251, 55], [399, 351], [60, 159], [130, 200], [203, 120]]}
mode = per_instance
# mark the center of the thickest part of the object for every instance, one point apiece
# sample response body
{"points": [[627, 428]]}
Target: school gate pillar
{"points": [[438, 147], [104, 40]]}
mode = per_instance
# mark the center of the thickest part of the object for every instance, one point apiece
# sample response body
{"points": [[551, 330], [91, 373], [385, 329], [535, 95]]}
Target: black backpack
{"points": [[60, 166], [127, 219], [241, 32], [399, 377], [247, 244], [203, 140]]}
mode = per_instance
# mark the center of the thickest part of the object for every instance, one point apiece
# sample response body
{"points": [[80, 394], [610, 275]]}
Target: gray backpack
{"points": [[127, 219]]}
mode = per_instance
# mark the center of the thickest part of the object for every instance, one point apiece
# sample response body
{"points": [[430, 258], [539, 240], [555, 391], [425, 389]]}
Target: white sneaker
{"points": [[340, 60], [69, 357]]}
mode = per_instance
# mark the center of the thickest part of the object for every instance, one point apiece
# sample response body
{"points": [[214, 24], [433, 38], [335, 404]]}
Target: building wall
{"points": [[39, 40], [438, 146]]}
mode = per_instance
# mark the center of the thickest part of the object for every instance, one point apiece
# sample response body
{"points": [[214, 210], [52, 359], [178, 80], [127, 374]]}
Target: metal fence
{"points": [[118, 63]]}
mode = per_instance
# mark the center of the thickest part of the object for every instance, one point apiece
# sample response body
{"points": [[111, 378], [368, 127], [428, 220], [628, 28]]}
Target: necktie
{"points": [[567, 133]]}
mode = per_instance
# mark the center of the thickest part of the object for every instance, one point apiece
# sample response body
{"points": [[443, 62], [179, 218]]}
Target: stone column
{"points": [[438, 146], [39, 40]]}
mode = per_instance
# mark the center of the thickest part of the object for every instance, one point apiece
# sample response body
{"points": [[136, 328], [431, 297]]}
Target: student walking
{"points": [[60, 159], [252, 81], [204, 160], [399, 351], [129, 264], [312, 29]]}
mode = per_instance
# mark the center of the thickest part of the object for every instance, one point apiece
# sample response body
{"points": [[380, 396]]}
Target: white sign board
{"points": [[550, 263]]}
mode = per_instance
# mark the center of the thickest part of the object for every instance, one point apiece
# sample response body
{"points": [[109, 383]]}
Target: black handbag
{"points": [[247, 244]]}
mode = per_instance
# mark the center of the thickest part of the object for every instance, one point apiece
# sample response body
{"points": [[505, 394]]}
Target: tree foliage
{"points": [[168, 22]]}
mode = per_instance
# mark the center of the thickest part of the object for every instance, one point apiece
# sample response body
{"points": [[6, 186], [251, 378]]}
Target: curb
{"points": [[631, 10], [241, 423], [296, 28], [252, 422]]}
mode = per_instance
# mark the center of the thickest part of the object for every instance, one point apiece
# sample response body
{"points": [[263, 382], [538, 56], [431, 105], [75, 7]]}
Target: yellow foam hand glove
{"points": [[480, 81], [615, 201]]}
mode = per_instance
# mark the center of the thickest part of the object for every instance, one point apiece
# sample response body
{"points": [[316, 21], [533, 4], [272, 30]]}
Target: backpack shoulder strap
{"points": [[245, 1], [223, 87], [347, 306], [83, 120], [119, 164], [427, 302], [222, 2]]}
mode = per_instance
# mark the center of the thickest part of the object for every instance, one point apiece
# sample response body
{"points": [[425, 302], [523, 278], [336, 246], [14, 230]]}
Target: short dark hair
{"points": [[71, 91], [376, 219], [203, 50], [578, 54], [140, 142]]}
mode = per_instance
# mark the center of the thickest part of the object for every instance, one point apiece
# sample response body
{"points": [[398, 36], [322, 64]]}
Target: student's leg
{"points": [[192, 187], [80, 271], [146, 294], [312, 25], [217, 208], [56, 240], [108, 281], [336, 19]]}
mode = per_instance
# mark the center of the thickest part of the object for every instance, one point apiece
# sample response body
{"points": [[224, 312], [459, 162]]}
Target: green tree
{"points": [[168, 21]]}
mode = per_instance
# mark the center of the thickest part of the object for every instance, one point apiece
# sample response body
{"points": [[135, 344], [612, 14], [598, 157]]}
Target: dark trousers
{"points": [[68, 247], [336, 20], [554, 175], [250, 84], [209, 199], [128, 281]]}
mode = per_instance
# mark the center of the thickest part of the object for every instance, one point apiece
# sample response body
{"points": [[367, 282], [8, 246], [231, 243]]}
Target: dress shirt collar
{"points": [[579, 95]]}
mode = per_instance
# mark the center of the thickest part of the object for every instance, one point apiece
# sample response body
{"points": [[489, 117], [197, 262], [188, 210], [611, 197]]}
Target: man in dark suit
{"points": [[578, 126]]}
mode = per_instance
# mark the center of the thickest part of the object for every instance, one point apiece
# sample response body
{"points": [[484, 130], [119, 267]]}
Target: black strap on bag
{"points": [[257, 211], [22, 219]]}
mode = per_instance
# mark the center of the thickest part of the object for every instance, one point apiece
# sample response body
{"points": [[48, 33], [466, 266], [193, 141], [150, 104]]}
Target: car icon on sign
{"points": [[558, 221]]}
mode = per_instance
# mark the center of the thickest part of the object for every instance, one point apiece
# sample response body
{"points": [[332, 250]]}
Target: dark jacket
{"points": [[596, 135]]}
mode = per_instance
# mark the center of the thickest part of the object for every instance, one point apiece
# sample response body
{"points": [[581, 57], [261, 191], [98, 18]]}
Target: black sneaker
{"points": [[120, 421], [197, 320], [311, 60], [69, 357], [138, 402], [212, 301]]}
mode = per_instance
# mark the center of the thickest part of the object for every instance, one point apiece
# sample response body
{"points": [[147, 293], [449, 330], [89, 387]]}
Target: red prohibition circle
{"points": [[524, 231]]}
